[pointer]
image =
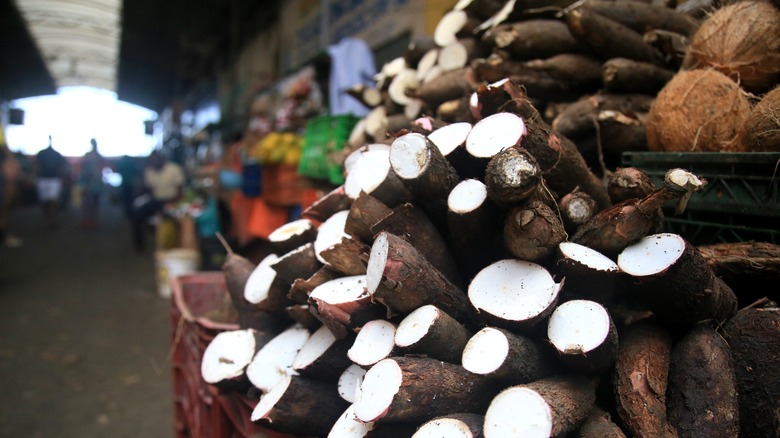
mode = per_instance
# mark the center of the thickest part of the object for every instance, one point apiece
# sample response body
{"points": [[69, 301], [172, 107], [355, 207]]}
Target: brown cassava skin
{"points": [[532, 232], [409, 281], [301, 264], [343, 319], [597, 361], [754, 336], [417, 48], [508, 96], [444, 340], [622, 75], [293, 412], [437, 178], [629, 183], [743, 261], [644, 17], [333, 202], [293, 242], [562, 165], [301, 314], [237, 270], [672, 45], [576, 208], [364, 212], [277, 299], [533, 39], [688, 292], [350, 256], [609, 38], [599, 424], [562, 77], [302, 287], [417, 228], [633, 183], [640, 379], [331, 363], [702, 394], [525, 361], [585, 282], [431, 388], [570, 397], [474, 242], [762, 128], [613, 229], [448, 86], [578, 119], [511, 176], [455, 110]]}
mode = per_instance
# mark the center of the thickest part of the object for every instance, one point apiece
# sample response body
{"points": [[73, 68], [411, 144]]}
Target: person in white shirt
{"points": [[163, 182]]}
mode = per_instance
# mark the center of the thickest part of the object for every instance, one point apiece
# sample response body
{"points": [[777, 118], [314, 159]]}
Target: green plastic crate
{"points": [[324, 136], [740, 202]]}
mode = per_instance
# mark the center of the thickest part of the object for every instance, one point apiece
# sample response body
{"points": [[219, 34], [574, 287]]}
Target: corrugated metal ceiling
{"points": [[163, 50], [78, 39]]}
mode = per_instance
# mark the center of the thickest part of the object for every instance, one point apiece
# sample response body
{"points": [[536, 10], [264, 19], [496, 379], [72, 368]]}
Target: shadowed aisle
{"points": [[85, 336]]}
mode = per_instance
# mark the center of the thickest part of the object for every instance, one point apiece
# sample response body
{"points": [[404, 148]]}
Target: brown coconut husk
{"points": [[741, 40], [698, 111], [762, 129]]}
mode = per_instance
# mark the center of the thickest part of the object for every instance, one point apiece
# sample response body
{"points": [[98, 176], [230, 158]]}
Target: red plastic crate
{"points": [[200, 309]]}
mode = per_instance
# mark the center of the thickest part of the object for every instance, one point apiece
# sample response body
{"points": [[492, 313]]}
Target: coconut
{"points": [[698, 110], [742, 40], [762, 129]]}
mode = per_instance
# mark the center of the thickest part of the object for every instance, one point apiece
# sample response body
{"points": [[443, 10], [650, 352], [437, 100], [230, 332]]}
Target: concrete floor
{"points": [[84, 335]]}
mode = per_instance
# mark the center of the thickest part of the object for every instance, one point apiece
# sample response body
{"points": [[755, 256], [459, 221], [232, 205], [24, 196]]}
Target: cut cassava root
{"points": [[401, 389], [431, 331], [547, 407], [584, 336], [514, 294], [502, 355], [675, 282]]}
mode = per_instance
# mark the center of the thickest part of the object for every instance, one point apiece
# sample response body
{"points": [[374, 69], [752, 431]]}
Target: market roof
{"points": [[149, 52]]}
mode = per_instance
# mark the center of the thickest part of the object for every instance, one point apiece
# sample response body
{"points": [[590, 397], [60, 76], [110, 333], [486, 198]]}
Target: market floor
{"points": [[84, 336]]}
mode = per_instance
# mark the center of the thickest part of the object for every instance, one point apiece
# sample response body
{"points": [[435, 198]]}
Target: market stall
{"points": [[502, 256]]}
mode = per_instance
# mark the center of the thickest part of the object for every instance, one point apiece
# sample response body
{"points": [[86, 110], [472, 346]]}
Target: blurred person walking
{"points": [[129, 168], [51, 168], [91, 181], [163, 183]]}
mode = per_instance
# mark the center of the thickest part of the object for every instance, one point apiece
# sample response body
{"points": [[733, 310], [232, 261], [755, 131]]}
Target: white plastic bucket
{"points": [[172, 263]]}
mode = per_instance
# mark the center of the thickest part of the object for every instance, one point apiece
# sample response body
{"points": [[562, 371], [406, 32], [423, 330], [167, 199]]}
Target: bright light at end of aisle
{"points": [[77, 114]]}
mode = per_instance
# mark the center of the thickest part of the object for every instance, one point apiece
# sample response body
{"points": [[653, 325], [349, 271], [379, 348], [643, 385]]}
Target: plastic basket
{"points": [[200, 309], [741, 201], [324, 136]]}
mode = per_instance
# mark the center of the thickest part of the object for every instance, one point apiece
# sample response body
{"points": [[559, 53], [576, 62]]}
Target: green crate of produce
{"points": [[324, 136], [739, 203]]}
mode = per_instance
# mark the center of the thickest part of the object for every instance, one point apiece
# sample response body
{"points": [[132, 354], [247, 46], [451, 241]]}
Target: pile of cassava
{"points": [[487, 269]]}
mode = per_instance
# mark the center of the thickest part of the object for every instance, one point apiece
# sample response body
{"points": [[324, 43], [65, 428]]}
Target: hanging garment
{"points": [[352, 63]]}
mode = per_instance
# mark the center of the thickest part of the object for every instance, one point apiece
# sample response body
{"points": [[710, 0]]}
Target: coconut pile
{"points": [[487, 268], [725, 98], [613, 78]]}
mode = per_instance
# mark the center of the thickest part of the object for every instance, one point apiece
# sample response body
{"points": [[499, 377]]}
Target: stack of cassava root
{"points": [[475, 277]]}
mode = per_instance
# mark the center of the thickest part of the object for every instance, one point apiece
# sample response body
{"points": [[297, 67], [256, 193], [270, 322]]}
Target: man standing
{"points": [[164, 183], [51, 168], [91, 180]]}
